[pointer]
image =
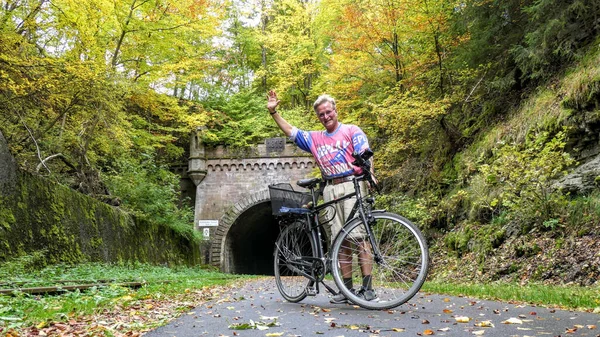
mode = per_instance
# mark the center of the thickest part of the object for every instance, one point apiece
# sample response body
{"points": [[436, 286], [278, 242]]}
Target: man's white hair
{"points": [[323, 99]]}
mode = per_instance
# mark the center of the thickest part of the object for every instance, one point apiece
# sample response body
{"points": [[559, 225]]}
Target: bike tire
{"points": [[405, 260], [293, 243]]}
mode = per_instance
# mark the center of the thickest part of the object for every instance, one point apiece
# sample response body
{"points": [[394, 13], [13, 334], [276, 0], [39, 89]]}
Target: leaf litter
{"points": [[127, 318]]}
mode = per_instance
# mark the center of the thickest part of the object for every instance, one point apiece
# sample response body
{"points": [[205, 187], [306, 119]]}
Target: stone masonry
{"points": [[230, 183]]}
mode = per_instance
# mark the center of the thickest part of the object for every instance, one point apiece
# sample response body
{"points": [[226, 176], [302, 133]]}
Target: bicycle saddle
{"points": [[308, 183]]}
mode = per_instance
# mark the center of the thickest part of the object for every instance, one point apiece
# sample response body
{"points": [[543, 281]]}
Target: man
{"points": [[332, 150]]}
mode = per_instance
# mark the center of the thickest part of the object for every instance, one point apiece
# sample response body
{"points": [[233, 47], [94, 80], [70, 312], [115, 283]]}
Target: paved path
{"points": [[259, 302]]}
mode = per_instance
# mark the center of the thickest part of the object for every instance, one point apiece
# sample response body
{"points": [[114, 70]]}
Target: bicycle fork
{"points": [[368, 221]]}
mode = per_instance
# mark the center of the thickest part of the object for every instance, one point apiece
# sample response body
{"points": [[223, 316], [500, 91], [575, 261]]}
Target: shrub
{"points": [[151, 191], [522, 177]]}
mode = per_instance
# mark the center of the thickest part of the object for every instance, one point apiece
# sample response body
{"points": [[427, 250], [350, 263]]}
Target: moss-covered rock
{"points": [[70, 227], [8, 169]]}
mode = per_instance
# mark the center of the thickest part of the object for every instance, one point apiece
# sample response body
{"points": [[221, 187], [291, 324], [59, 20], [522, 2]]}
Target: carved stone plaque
{"points": [[275, 144]]}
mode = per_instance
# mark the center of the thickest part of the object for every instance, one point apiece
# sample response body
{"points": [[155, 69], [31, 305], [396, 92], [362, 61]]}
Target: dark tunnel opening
{"points": [[250, 241]]}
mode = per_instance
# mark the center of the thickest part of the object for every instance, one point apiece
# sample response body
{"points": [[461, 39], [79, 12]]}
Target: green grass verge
{"points": [[567, 297], [21, 310]]}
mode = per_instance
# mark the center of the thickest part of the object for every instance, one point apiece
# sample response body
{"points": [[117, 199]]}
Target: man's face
{"points": [[328, 116]]}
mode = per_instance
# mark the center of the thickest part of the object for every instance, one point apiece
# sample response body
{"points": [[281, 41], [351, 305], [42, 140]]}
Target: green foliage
{"points": [[580, 214], [481, 240], [241, 119], [410, 137], [523, 176], [416, 210], [458, 241], [555, 32], [150, 191], [238, 120], [582, 83], [22, 265]]}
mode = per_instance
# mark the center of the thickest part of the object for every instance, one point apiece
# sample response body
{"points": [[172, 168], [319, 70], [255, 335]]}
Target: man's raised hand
{"points": [[272, 101]]}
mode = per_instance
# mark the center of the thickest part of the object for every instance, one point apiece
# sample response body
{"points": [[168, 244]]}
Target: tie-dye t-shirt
{"points": [[333, 151]]}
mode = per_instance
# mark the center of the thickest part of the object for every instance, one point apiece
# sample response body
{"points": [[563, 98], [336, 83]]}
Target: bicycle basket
{"points": [[284, 200]]}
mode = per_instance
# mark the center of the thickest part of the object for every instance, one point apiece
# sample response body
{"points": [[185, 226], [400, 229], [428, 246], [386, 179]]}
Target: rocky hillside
{"points": [[526, 205]]}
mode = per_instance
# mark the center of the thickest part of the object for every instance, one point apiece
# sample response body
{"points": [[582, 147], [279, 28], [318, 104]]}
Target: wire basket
{"points": [[284, 200]]}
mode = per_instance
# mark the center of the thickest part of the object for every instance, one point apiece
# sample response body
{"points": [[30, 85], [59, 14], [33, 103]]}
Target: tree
{"points": [[293, 50]]}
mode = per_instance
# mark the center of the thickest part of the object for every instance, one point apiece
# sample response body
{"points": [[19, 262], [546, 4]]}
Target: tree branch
{"points": [[59, 155], [34, 141], [475, 87]]}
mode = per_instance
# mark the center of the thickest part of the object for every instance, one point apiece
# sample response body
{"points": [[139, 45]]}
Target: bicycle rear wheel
{"points": [[292, 246], [400, 271]]}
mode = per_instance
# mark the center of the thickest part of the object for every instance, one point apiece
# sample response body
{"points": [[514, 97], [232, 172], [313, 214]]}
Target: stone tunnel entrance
{"points": [[250, 241]]}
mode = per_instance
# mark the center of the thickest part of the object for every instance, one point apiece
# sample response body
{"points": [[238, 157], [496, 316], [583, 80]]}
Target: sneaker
{"points": [[367, 294], [340, 298]]}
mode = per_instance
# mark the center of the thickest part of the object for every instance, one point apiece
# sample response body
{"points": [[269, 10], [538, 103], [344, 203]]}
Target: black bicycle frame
{"points": [[367, 219]]}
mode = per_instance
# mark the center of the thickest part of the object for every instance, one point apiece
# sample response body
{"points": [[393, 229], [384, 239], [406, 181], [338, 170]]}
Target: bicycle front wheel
{"points": [[292, 247], [396, 275]]}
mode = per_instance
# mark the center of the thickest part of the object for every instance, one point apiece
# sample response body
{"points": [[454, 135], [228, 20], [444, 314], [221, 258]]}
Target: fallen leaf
{"points": [[398, 329], [444, 329], [446, 299], [354, 327], [241, 326], [479, 332], [485, 324], [591, 327], [462, 319], [274, 334], [447, 311], [513, 320], [428, 332], [424, 321]]}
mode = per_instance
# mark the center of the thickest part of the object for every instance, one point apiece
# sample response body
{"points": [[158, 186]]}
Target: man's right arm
{"points": [[272, 104], [283, 124]]}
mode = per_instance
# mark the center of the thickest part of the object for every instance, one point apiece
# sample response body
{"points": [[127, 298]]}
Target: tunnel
{"points": [[250, 241]]}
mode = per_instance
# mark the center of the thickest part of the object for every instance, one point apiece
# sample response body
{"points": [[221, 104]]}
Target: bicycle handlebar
{"points": [[362, 160]]}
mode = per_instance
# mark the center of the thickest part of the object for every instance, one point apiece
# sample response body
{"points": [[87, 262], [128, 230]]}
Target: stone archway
{"points": [[245, 237]]}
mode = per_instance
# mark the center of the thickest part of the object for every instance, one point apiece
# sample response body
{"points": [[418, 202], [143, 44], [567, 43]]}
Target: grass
{"points": [[565, 297], [163, 285]]}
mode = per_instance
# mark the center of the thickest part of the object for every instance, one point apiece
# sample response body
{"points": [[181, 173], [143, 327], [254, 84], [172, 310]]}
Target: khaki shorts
{"points": [[342, 209]]}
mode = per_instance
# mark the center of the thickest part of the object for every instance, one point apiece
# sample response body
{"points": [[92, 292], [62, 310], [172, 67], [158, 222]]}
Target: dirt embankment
{"points": [[539, 257]]}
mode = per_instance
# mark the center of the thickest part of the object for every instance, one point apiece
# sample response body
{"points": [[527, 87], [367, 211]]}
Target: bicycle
{"points": [[395, 246]]}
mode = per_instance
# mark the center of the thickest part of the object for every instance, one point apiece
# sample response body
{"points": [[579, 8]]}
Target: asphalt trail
{"points": [[259, 302]]}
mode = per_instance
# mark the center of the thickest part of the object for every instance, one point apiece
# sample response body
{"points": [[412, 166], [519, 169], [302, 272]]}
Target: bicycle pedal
{"points": [[310, 291]]}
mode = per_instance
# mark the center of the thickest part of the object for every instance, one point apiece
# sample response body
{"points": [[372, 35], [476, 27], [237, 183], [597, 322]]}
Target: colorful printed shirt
{"points": [[333, 151]]}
